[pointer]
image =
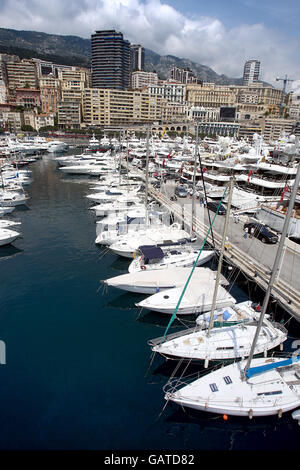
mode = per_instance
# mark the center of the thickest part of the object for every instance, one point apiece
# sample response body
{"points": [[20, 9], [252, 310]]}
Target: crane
{"points": [[285, 81]]}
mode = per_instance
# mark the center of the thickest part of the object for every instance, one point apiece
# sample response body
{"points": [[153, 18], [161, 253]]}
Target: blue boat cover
{"points": [[273, 365], [151, 251]]}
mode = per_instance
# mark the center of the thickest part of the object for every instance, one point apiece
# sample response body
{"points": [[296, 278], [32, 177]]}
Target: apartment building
{"points": [[137, 57], [74, 78], [294, 105], [50, 94], [111, 60], [173, 92], [38, 120], [173, 111], [27, 97], [183, 75], [140, 79], [112, 107], [69, 115], [274, 128], [251, 71], [11, 120], [209, 96], [257, 94], [21, 74]]}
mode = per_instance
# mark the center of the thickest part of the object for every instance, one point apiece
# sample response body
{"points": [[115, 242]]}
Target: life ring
{"points": [[143, 267]]}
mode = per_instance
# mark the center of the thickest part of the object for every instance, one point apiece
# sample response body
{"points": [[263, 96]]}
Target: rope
{"points": [[193, 268]]}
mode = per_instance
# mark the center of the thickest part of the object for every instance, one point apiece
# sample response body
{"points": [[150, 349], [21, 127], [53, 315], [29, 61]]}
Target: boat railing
{"points": [[178, 334]]}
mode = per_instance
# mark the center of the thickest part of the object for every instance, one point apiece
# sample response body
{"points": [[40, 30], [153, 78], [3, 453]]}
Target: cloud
{"points": [[160, 27]]}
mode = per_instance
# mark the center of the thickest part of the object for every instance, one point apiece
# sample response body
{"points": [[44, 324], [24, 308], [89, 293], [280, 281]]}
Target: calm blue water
{"points": [[77, 373]]}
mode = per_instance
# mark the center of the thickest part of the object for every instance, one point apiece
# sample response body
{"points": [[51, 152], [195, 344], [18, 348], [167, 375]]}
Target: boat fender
{"points": [[250, 413], [280, 413], [143, 268]]}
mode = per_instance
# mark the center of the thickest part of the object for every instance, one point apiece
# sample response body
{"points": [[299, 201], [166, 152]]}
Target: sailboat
{"points": [[254, 386]]}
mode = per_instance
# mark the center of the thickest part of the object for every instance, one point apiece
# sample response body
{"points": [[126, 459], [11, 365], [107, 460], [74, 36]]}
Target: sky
{"points": [[221, 34]]}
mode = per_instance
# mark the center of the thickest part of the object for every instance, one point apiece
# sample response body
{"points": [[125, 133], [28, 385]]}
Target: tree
{"points": [[27, 128], [48, 128]]}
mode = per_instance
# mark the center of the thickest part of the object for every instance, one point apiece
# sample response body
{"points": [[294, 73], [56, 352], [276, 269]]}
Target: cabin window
{"points": [[275, 392], [166, 296], [213, 387], [227, 380]]}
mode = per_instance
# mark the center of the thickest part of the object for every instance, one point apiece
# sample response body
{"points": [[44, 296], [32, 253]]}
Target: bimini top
{"points": [[151, 252]]}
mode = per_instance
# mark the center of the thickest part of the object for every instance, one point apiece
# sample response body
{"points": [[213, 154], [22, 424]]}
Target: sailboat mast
{"points": [[147, 175], [127, 169], [211, 319], [194, 180], [275, 267], [120, 157]]}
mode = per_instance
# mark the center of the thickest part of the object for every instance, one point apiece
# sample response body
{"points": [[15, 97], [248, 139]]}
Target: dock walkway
{"points": [[254, 261], [251, 256]]}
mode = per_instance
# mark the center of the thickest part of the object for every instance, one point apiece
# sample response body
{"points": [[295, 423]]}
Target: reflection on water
{"points": [[7, 251]]}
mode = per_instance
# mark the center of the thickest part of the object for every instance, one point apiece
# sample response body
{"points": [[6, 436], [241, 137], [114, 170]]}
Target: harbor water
{"points": [[78, 372]]}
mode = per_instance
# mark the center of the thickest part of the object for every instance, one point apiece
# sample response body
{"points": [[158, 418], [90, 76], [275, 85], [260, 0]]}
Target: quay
{"points": [[252, 257]]}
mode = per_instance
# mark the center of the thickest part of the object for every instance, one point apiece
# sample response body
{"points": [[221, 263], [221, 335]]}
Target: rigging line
{"points": [[205, 195], [152, 356], [193, 268]]}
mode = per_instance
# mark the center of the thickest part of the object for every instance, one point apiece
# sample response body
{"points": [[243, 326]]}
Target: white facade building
{"points": [[174, 92], [140, 79], [251, 72]]}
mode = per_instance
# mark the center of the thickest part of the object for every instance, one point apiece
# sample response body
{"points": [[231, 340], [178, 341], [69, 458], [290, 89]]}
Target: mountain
{"points": [[65, 50], [74, 50], [162, 65]]}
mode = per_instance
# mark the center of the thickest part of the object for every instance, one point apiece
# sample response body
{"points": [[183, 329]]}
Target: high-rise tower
{"points": [[251, 72], [137, 57], [110, 60]]}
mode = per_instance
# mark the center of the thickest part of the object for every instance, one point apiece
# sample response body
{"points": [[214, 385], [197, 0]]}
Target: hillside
{"points": [[74, 50]]}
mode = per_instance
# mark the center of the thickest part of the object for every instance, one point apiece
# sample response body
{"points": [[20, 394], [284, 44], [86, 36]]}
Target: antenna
{"points": [[285, 81]]}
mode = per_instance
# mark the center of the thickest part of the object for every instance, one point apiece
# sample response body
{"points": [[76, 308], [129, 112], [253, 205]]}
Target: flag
{"points": [[285, 189], [204, 170], [181, 169], [169, 156], [163, 163], [249, 174]]}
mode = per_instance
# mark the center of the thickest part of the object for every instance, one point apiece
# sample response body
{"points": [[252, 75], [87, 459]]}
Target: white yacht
{"points": [[158, 257], [6, 210], [8, 223], [7, 236], [56, 146], [9, 198], [150, 282], [93, 168], [163, 235], [198, 297]]}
